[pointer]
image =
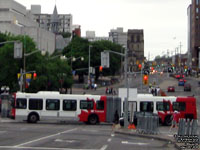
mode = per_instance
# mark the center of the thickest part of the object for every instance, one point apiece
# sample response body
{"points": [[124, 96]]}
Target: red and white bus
{"points": [[164, 106], [52, 105], [34, 107]]}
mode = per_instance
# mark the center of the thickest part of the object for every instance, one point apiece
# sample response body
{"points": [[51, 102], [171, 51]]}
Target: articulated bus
{"points": [[92, 109], [164, 106], [54, 106]]}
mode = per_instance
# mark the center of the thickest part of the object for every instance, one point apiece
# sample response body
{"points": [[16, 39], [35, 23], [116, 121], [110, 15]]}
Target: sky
{"points": [[164, 22]]}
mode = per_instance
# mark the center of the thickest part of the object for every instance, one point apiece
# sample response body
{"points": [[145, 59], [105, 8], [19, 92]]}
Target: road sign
{"points": [[18, 50], [105, 59]]}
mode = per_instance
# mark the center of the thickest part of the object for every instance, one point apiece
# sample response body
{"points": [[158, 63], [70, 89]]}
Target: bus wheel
{"points": [[93, 119], [168, 121], [33, 118]]}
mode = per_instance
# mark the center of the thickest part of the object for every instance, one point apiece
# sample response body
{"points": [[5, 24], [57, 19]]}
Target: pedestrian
{"points": [[152, 91], [175, 118], [107, 90], [115, 120], [95, 86]]}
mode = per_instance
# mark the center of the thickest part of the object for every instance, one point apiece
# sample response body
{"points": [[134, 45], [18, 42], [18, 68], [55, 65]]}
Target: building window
{"points": [[197, 10], [132, 38], [138, 38]]}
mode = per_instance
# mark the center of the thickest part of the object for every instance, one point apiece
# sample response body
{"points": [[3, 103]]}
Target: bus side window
{"points": [[21, 103], [35, 104], [52, 104], [69, 105], [84, 104], [179, 106], [100, 105], [146, 106], [162, 106]]}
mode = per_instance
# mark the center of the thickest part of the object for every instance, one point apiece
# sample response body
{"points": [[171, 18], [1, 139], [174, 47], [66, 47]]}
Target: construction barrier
{"points": [[147, 124]]}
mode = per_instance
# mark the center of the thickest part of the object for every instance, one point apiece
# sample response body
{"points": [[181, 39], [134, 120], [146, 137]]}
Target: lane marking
{"points": [[112, 135], [104, 147], [131, 143], [46, 148], [65, 141], [49, 136], [109, 140], [2, 132]]}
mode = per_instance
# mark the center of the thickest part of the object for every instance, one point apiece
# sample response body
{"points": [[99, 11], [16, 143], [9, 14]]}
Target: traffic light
{"points": [[140, 66], [100, 68], [145, 79], [34, 76]]}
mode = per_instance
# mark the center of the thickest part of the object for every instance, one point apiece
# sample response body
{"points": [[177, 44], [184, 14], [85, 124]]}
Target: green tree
{"points": [[48, 71], [80, 47]]}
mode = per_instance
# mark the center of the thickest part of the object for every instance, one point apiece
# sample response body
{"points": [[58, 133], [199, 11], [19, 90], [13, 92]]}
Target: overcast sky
{"points": [[164, 21]]}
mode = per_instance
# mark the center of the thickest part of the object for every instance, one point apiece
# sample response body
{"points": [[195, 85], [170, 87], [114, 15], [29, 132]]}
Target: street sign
{"points": [[105, 59], [18, 50]]}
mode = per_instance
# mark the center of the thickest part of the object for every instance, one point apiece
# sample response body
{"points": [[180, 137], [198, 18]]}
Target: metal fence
{"points": [[147, 123], [188, 127]]}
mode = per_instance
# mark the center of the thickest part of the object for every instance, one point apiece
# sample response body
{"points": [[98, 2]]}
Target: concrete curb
{"points": [[165, 139]]}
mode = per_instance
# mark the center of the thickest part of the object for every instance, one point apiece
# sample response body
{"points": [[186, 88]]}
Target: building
{"points": [[14, 18], [90, 35], [118, 36], [189, 51], [194, 34], [56, 23], [135, 45], [76, 30]]}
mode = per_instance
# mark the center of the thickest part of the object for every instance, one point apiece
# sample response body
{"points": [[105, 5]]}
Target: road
{"points": [[73, 136]]}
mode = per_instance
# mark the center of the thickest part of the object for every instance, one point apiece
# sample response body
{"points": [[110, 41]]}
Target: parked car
{"points": [[171, 89], [181, 82], [187, 87]]}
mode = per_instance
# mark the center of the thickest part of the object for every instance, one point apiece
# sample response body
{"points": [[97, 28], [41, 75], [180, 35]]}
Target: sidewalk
{"points": [[163, 135]]}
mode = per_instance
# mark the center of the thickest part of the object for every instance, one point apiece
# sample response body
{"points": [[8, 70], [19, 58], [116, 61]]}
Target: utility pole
{"points": [[180, 54]]}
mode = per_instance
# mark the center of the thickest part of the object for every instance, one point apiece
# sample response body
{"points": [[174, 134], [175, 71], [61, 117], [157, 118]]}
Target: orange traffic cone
{"points": [[131, 126]]}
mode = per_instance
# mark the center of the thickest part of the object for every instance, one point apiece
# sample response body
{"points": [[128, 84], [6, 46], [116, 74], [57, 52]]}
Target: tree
{"points": [[48, 71], [80, 47]]}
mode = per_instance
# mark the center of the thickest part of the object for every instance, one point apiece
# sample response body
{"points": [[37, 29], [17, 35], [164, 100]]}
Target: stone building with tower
{"points": [[135, 45]]}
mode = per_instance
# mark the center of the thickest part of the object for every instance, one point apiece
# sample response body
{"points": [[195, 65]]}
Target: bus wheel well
{"points": [[33, 117], [93, 119]]}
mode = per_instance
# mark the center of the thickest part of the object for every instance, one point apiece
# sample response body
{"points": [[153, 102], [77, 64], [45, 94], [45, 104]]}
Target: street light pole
{"points": [[126, 86], [89, 66]]}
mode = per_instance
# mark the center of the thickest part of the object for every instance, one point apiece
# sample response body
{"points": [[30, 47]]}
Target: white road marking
{"points": [[2, 132], [104, 147], [112, 134], [131, 143], [65, 141], [45, 148], [45, 137], [109, 140]]}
